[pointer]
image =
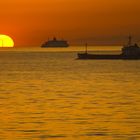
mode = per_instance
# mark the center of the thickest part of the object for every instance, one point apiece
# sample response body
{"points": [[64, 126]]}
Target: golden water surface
{"points": [[53, 96]]}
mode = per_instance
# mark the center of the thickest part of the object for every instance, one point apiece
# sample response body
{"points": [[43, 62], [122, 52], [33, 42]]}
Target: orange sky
{"points": [[30, 22]]}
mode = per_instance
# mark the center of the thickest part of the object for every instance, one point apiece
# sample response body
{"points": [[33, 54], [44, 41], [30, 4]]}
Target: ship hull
{"points": [[107, 57], [48, 46]]}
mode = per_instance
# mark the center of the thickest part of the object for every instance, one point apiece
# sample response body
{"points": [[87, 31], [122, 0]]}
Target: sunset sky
{"points": [[30, 22]]}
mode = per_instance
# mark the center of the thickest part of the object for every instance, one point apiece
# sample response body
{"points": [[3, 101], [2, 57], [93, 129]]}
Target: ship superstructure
{"points": [[55, 43]]}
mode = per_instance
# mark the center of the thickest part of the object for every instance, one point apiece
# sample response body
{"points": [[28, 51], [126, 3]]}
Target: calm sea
{"points": [[49, 95]]}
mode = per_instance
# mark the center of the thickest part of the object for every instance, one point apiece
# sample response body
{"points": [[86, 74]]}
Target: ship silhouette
{"points": [[129, 51], [55, 43]]}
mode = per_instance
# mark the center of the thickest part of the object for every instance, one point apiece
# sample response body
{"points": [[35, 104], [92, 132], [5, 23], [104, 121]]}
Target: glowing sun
{"points": [[6, 41]]}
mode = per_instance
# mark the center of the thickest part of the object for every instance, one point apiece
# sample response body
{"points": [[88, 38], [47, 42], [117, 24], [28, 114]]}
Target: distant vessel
{"points": [[129, 51], [55, 43]]}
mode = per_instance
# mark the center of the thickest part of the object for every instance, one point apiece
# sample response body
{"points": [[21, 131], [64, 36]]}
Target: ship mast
{"points": [[130, 41]]}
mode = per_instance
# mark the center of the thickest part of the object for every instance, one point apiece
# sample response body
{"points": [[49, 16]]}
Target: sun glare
{"points": [[6, 41]]}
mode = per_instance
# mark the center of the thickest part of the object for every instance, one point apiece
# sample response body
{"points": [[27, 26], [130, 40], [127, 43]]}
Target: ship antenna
{"points": [[86, 51]]}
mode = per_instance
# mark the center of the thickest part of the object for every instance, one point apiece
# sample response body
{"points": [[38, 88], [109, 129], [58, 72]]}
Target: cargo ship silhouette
{"points": [[129, 51], [55, 43]]}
